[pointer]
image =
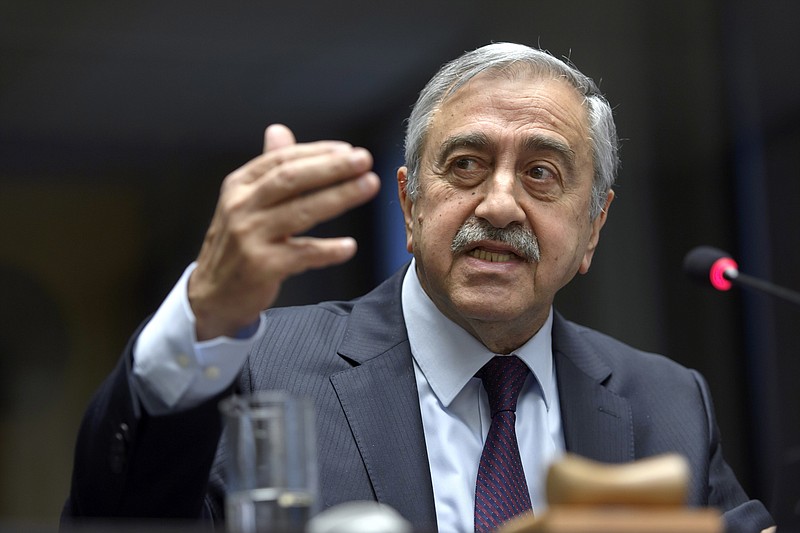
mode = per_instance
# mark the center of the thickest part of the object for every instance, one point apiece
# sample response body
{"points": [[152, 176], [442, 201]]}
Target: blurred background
{"points": [[119, 120]]}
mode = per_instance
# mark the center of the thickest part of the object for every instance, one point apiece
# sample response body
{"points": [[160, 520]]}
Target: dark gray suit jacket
{"points": [[353, 358]]}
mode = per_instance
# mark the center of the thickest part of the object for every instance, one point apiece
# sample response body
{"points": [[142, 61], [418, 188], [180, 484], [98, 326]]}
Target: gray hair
{"points": [[503, 56]]}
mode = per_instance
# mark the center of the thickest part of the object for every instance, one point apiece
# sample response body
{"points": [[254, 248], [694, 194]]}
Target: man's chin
{"points": [[482, 306]]}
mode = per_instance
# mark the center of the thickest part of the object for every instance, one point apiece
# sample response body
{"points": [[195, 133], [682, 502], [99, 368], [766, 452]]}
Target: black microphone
{"points": [[708, 264]]}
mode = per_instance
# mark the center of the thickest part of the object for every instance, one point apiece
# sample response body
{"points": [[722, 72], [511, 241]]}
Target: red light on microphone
{"points": [[705, 264], [717, 273]]}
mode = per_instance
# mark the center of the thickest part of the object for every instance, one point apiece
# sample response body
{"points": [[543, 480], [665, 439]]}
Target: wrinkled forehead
{"points": [[520, 100]]}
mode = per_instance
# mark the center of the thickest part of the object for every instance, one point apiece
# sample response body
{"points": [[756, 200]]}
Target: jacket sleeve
{"points": [[133, 465], [724, 491]]}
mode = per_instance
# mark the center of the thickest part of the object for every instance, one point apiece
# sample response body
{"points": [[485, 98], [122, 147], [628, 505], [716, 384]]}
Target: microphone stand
{"points": [[734, 276]]}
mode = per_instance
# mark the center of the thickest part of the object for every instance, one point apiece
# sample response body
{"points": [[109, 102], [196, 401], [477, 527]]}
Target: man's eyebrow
{"points": [[465, 140], [531, 144]]}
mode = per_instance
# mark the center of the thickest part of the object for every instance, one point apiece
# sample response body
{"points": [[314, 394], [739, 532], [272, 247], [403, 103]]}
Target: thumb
{"points": [[278, 136]]}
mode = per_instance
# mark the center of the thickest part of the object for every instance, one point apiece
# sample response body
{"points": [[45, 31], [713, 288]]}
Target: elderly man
{"points": [[510, 159]]}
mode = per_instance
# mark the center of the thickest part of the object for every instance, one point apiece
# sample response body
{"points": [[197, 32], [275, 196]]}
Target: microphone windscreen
{"points": [[699, 261]]}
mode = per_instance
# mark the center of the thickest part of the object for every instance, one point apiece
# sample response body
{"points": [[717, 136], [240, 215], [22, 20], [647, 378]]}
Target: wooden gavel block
{"points": [[645, 496]]}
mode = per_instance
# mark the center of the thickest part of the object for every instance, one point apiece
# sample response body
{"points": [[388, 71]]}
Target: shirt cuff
{"points": [[176, 371]]}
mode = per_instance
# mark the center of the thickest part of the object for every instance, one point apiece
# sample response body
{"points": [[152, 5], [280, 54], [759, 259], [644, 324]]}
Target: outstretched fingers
{"points": [[252, 245]]}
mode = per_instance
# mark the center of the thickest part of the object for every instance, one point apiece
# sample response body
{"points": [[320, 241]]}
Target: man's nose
{"points": [[500, 204]]}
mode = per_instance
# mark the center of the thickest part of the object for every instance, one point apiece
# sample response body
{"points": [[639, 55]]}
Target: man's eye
{"points": [[467, 171], [465, 163], [541, 173]]}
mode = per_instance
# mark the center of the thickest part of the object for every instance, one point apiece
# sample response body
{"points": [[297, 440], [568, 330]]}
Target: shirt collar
{"points": [[449, 356]]}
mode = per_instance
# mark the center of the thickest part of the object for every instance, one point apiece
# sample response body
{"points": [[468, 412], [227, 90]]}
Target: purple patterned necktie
{"points": [[501, 491]]}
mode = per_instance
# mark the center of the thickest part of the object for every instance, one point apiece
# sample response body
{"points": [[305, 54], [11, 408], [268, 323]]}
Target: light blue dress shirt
{"points": [[455, 408]]}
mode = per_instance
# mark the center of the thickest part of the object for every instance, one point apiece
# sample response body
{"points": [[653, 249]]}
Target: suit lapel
{"points": [[379, 398], [597, 422]]}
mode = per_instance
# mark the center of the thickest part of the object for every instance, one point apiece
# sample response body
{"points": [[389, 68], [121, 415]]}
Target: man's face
{"points": [[504, 153]]}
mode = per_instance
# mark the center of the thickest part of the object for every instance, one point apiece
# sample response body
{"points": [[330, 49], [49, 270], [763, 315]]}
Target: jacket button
{"points": [[119, 446]]}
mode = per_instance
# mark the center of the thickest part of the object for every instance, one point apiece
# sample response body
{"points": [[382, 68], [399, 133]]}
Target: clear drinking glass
{"points": [[271, 465]]}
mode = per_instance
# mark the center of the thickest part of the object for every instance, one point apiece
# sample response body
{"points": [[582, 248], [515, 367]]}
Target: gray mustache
{"points": [[521, 239]]}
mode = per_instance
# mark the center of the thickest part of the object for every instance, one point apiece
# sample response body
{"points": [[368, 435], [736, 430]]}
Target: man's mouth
{"points": [[494, 257], [479, 239]]}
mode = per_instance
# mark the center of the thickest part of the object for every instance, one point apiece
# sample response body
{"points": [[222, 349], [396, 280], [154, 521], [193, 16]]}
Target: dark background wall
{"points": [[118, 121]]}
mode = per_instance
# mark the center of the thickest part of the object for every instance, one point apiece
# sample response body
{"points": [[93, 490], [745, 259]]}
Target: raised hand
{"points": [[252, 244]]}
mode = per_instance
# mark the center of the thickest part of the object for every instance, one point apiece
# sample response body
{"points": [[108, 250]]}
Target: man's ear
{"points": [[597, 225], [406, 204]]}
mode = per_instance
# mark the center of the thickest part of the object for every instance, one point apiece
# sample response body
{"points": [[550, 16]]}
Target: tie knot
{"points": [[503, 377]]}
